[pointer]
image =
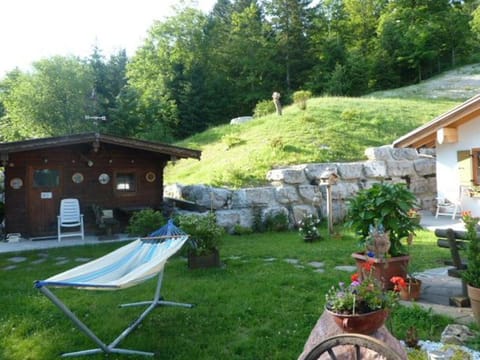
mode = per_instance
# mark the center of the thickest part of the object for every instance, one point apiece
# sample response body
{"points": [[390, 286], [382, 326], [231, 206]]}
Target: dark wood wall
{"points": [[25, 205]]}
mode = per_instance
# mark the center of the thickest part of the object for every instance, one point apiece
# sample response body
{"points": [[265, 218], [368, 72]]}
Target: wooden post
{"points": [[329, 209]]}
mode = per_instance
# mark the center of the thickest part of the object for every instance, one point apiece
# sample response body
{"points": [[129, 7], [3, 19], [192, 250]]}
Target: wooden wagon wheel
{"points": [[358, 341]]}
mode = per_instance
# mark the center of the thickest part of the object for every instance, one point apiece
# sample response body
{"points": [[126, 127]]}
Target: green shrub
{"points": [[300, 98], [263, 108], [231, 140], [241, 230], [276, 222], [277, 143], [145, 222], [205, 234], [384, 204]]}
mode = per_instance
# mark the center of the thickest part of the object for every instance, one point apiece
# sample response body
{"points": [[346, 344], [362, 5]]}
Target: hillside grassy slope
{"points": [[331, 129]]}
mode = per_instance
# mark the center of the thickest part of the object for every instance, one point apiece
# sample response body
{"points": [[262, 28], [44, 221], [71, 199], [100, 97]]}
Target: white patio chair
{"points": [[70, 217], [448, 207]]}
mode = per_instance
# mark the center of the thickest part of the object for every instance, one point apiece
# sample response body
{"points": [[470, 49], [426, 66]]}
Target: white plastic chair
{"points": [[448, 208], [70, 217]]}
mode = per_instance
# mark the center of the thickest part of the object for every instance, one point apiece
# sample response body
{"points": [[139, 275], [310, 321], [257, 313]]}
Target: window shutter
{"points": [[464, 164]]}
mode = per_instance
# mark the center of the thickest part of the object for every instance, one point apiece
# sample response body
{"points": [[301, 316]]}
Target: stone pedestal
{"points": [[326, 327]]}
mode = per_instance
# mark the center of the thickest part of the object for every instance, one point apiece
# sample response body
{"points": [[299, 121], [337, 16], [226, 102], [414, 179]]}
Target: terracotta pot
{"points": [[411, 291], [362, 323], [474, 295], [385, 269]]}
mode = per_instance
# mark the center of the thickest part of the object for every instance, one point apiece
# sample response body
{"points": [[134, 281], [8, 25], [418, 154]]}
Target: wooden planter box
{"points": [[204, 261]]}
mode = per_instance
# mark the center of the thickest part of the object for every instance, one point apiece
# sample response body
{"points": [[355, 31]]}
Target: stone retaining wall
{"points": [[295, 190]]}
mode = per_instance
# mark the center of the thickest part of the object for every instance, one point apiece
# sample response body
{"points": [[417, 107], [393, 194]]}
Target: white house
{"points": [[456, 137]]}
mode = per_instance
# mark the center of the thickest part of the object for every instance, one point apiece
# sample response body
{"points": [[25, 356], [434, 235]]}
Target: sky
{"points": [[31, 30]]}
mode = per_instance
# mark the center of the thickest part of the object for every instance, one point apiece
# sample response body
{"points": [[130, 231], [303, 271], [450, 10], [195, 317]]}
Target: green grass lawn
{"points": [[331, 129], [259, 306]]}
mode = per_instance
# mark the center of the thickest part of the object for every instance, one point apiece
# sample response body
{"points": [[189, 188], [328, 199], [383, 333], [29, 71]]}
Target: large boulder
{"points": [[293, 175], [207, 196], [253, 197], [228, 219]]}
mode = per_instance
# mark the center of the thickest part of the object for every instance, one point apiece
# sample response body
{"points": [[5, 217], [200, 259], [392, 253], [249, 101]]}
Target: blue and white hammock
{"points": [[127, 266]]}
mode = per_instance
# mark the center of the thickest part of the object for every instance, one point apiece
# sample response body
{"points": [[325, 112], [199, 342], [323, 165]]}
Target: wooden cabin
{"points": [[111, 172]]}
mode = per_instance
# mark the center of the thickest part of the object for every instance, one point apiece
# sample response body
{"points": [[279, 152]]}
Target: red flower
{"points": [[355, 277], [399, 283], [368, 264]]}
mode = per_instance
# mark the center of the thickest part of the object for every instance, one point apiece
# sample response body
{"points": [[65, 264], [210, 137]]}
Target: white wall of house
{"points": [[448, 185]]}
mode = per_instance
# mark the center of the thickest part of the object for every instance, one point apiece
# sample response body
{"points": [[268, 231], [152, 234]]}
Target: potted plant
{"points": [[385, 208], [408, 288], [308, 228], [204, 241], [364, 305], [471, 275]]}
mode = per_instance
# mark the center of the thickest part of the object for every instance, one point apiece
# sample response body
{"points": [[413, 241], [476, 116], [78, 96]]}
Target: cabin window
{"points": [[125, 182], [46, 178]]}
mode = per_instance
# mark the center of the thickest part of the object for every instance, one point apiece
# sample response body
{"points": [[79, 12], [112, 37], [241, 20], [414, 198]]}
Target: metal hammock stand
{"points": [[127, 266]]}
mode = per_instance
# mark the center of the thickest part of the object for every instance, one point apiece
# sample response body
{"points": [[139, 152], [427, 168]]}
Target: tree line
{"points": [[196, 70]]}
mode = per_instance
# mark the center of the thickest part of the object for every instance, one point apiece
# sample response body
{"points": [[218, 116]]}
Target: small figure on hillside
{"points": [[276, 101]]}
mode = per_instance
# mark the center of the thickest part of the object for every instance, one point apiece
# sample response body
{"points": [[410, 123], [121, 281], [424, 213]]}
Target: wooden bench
{"points": [[456, 241]]}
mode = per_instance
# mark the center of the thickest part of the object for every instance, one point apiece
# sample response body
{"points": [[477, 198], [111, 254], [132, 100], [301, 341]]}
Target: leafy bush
{"points": [[276, 222], [472, 274], [277, 143], [205, 234], [231, 140], [300, 98], [145, 222], [264, 108], [241, 230], [387, 205]]}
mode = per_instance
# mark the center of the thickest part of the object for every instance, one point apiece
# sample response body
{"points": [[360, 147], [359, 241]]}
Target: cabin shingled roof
{"points": [[44, 143]]}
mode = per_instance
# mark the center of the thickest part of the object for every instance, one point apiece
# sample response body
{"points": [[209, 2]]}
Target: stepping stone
{"points": [[81, 259], [269, 259], [292, 261], [17, 259], [60, 258], [61, 262], [38, 261], [320, 271], [316, 264], [234, 257], [300, 266], [347, 268], [10, 267]]}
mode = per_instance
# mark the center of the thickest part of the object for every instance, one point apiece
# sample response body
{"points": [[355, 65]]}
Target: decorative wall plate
{"points": [[16, 183], [77, 178], [103, 179], [150, 176]]}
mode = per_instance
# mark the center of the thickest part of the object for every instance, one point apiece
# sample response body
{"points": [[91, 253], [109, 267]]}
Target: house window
{"points": [[125, 182], [46, 178]]}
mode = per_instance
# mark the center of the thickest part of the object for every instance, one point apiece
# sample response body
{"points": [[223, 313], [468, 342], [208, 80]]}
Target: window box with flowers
{"points": [[308, 228], [364, 305]]}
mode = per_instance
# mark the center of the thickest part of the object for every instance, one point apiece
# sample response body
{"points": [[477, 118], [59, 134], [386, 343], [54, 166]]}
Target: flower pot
{"points": [[203, 261], [385, 269], [474, 295], [361, 323], [411, 291]]}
